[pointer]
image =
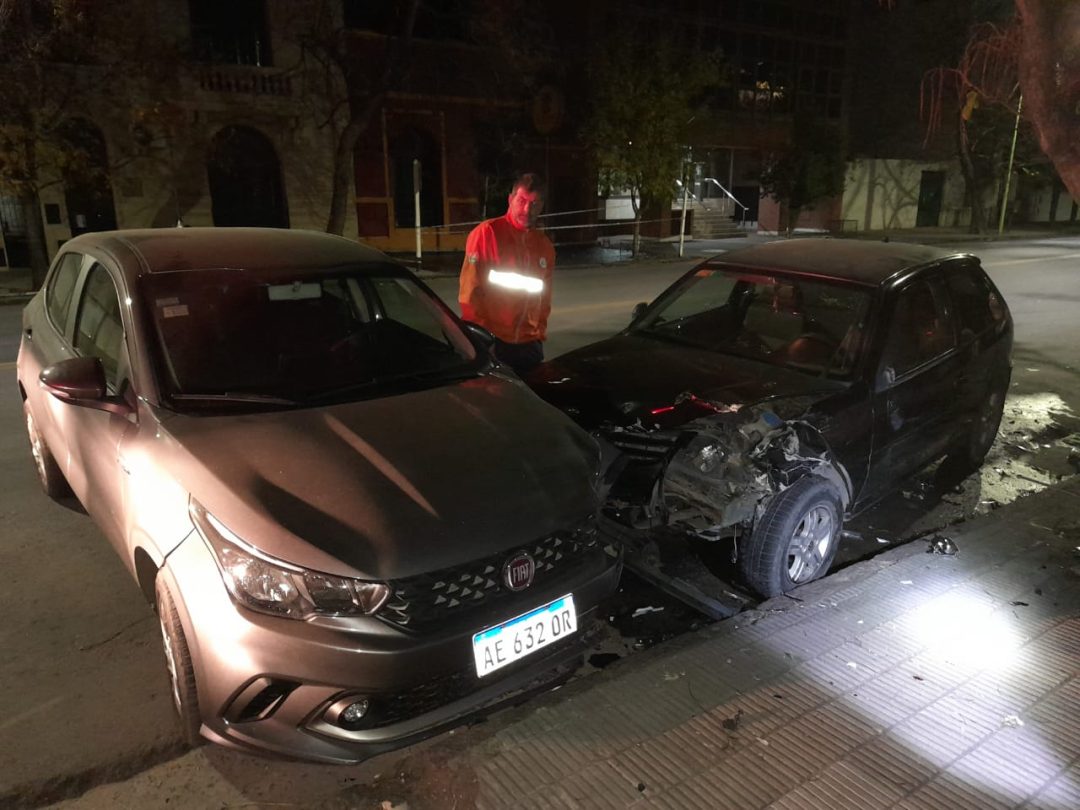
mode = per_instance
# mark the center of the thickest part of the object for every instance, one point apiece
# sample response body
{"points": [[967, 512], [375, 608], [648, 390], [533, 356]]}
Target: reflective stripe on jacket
{"points": [[514, 302]]}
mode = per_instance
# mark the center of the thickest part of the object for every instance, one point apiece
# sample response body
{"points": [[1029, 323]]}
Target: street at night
{"points": [[540, 405], [87, 698]]}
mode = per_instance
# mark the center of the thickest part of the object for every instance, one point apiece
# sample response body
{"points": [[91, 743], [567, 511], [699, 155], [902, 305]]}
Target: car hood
{"points": [[635, 377], [387, 488]]}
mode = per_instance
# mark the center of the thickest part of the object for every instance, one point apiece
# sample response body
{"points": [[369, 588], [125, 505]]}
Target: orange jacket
{"points": [[514, 302]]}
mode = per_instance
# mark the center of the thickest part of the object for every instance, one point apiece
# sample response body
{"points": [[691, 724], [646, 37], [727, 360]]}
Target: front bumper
{"points": [[269, 683]]}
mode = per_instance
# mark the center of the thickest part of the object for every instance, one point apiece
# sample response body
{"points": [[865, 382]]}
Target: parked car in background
{"points": [[354, 526], [774, 391]]}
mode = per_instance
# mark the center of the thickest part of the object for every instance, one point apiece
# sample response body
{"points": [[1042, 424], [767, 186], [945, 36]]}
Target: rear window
{"points": [[973, 299]]}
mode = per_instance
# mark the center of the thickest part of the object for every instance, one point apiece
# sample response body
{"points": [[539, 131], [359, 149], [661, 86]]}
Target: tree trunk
{"points": [[35, 238], [792, 218], [972, 187], [1049, 62]]}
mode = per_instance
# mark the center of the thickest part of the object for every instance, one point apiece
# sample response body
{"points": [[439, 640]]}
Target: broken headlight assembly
{"points": [[275, 587], [708, 457]]}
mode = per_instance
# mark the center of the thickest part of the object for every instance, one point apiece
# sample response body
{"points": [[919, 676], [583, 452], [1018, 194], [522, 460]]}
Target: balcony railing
{"points": [[250, 81]]}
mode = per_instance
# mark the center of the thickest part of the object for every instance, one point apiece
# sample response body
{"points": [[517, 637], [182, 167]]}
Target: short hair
{"points": [[530, 181]]}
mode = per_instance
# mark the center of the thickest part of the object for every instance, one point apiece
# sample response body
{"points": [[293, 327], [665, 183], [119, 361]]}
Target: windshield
{"points": [[241, 336], [808, 325]]}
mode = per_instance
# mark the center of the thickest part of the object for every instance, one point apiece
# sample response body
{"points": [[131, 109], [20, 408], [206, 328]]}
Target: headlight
{"points": [[278, 588]]}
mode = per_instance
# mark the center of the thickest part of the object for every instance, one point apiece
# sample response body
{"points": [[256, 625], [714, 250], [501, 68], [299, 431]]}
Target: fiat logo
{"points": [[518, 571]]}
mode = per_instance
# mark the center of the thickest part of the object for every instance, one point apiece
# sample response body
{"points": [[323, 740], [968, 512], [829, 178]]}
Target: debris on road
{"points": [[940, 544]]}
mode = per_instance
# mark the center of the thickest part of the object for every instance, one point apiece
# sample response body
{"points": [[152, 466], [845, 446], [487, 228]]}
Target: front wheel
{"points": [[49, 473], [796, 538], [178, 663]]}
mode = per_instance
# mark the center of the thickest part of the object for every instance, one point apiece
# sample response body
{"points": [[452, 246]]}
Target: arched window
{"points": [[245, 180]]}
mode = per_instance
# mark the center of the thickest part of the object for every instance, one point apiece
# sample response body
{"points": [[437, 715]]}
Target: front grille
{"points": [[442, 597], [643, 447]]}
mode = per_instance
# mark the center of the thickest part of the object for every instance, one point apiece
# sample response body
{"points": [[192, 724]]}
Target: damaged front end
{"points": [[714, 475]]}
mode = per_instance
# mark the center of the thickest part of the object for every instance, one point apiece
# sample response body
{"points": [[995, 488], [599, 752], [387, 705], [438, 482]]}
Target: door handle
{"points": [[29, 332]]}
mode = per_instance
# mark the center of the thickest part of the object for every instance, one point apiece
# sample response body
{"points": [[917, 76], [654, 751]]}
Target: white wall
{"points": [[883, 194]]}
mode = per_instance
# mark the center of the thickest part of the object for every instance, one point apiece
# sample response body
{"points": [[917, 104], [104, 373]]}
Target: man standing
{"points": [[506, 277]]}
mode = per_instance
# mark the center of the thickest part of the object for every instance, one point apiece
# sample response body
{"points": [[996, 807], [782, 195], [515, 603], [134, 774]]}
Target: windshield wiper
{"points": [[408, 378], [244, 397]]}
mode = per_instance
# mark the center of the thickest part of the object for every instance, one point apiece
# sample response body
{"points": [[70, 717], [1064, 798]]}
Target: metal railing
{"points": [[730, 196]]}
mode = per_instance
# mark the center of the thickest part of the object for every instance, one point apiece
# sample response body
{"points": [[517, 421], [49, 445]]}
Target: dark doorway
{"points": [[87, 191], [410, 145], [931, 190], [245, 180]]}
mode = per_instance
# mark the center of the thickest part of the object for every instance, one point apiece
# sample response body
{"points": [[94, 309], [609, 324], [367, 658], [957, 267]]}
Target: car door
{"points": [[46, 339], [916, 383], [984, 364], [94, 436]]}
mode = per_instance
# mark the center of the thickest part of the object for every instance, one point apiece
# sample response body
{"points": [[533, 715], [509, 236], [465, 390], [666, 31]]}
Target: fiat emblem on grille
{"points": [[518, 571]]}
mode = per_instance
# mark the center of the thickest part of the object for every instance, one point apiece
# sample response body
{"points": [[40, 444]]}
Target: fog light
{"points": [[354, 712]]}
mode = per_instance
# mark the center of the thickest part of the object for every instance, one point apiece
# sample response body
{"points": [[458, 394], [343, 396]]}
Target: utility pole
{"points": [[682, 221], [416, 207], [1008, 173]]}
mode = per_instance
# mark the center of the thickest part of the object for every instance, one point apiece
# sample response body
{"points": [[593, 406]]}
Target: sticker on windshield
{"points": [[166, 302], [176, 311], [297, 291]]}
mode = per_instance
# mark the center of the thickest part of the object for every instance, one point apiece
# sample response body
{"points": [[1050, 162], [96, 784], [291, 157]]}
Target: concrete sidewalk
{"points": [[912, 680]]}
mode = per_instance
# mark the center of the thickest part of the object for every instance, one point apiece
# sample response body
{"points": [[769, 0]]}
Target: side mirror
{"points": [[81, 381], [639, 310], [480, 337]]}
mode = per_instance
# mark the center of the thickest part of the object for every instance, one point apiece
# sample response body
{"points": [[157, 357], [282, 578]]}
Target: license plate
{"points": [[511, 641]]}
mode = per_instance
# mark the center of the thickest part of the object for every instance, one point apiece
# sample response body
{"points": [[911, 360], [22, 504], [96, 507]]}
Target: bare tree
{"points": [[57, 55], [349, 89]]}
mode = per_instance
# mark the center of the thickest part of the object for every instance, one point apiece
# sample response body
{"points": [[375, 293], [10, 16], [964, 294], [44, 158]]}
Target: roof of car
{"points": [[856, 260], [163, 250]]}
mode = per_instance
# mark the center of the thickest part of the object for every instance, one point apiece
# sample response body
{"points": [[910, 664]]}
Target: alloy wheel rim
{"points": [[809, 544]]}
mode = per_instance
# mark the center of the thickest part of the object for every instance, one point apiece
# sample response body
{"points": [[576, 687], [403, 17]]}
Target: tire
{"points": [[984, 429], [185, 698], [49, 473], [808, 515]]}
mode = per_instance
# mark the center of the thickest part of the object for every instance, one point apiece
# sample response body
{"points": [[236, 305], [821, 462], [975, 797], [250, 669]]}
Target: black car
{"points": [[773, 392]]}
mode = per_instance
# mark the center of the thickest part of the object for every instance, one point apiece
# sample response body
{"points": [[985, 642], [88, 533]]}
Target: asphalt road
{"points": [[85, 693]]}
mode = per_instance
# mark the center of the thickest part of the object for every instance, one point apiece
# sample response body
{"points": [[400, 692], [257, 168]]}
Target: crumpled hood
{"points": [[627, 376], [391, 487]]}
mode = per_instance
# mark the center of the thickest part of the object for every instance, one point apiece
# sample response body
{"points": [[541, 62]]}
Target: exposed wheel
{"points": [[796, 538], [49, 472], [984, 429], [178, 663]]}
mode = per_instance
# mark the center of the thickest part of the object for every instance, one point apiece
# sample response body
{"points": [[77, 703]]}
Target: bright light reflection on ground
{"points": [[965, 631]]}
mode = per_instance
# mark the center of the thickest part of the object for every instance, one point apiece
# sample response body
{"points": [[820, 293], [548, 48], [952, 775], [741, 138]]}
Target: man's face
{"points": [[525, 207]]}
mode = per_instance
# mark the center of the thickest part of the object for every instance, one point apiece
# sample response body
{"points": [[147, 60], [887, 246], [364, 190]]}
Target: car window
{"points": [[706, 289], [58, 292], [231, 332], [975, 304], [919, 331], [800, 323], [99, 331], [972, 298]]}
